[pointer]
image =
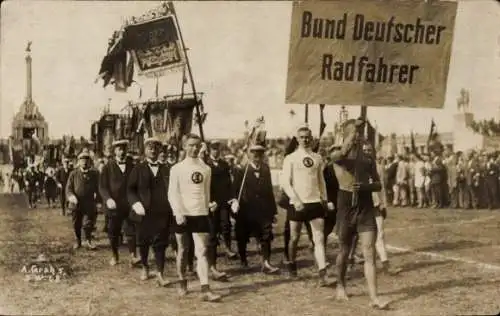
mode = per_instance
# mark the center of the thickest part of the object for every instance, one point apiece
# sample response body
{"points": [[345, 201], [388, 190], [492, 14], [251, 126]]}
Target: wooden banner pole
{"points": [[197, 107]]}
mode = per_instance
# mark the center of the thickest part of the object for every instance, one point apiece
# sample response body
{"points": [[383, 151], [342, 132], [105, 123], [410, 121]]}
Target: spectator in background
{"points": [[401, 185], [427, 181], [452, 172], [438, 183], [411, 181], [391, 170], [419, 181]]}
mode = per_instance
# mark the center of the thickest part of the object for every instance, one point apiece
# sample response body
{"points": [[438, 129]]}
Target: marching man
{"points": [[113, 189], [31, 183], [189, 195], [146, 193], [356, 219], [304, 183], [62, 175], [81, 191], [257, 208], [220, 192], [50, 186]]}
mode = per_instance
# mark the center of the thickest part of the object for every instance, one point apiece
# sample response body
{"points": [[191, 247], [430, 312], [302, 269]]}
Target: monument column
{"points": [[28, 74]]}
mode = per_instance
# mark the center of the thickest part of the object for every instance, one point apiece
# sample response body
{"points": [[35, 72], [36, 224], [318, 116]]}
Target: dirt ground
{"points": [[450, 261]]}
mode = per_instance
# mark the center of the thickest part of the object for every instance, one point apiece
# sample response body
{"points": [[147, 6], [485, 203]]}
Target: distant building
{"points": [[462, 138]]}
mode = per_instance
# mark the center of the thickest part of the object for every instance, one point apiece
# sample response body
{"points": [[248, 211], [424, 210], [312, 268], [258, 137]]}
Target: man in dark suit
{"points": [[113, 189], [220, 191], [332, 188], [30, 181], [491, 181], [147, 194], [82, 189], [256, 208]]}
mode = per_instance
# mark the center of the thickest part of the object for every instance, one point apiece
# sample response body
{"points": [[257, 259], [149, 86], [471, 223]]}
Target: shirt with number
{"points": [[302, 177], [189, 188]]}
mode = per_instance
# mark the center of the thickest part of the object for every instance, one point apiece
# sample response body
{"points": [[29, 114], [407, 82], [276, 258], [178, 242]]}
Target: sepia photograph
{"points": [[321, 157]]}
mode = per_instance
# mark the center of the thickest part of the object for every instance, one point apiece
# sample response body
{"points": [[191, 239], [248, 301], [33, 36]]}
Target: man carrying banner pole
{"points": [[354, 169], [255, 207]]}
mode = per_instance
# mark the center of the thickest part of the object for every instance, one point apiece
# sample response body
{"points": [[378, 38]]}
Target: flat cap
{"points": [[215, 144], [152, 140], [84, 155]]}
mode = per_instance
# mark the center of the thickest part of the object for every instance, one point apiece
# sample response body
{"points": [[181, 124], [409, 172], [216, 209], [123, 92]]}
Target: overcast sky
{"points": [[238, 53]]}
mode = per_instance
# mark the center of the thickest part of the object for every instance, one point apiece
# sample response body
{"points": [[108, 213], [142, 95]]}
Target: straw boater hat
{"points": [[120, 142], [257, 148]]}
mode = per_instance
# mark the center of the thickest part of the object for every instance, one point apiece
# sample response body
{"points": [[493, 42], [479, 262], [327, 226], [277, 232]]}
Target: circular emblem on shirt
{"points": [[197, 177], [308, 162]]}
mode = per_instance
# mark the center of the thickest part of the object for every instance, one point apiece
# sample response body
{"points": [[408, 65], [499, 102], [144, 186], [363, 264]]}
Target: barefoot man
{"points": [[359, 218]]}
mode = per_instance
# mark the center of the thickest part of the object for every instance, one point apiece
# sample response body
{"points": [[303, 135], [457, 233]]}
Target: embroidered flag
{"points": [[155, 45]]}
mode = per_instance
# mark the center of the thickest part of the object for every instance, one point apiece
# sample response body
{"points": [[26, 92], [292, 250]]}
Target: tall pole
{"points": [[306, 117], [29, 90], [198, 114], [156, 87]]}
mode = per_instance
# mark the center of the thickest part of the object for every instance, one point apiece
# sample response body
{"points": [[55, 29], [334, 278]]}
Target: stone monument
{"points": [[29, 128]]}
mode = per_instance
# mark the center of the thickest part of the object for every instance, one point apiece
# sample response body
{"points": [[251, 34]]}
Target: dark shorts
{"points": [[349, 221], [193, 224], [311, 211], [377, 212]]}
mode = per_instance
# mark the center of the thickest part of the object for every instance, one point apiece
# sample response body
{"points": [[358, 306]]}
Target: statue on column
{"points": [[463, 102], [28, 48]]}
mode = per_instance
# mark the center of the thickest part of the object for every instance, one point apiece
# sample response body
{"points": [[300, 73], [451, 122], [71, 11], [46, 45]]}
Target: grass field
{"points": [[450, 261]]}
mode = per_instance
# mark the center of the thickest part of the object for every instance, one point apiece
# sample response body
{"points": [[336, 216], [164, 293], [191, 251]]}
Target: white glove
{"points": [[299, 206], [212, 206], [180, 219], [139, 209], [235, 206], [59, 185], [330, 206], [72, 199], [110, 204]]}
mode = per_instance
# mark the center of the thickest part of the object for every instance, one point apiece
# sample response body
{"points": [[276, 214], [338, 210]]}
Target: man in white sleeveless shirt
{"points": [[303, 182], [189, 196]]}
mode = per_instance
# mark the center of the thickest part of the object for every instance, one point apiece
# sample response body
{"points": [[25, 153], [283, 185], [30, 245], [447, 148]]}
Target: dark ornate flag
{"points": [[155, 45], [117, 67], [172, 119]]}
